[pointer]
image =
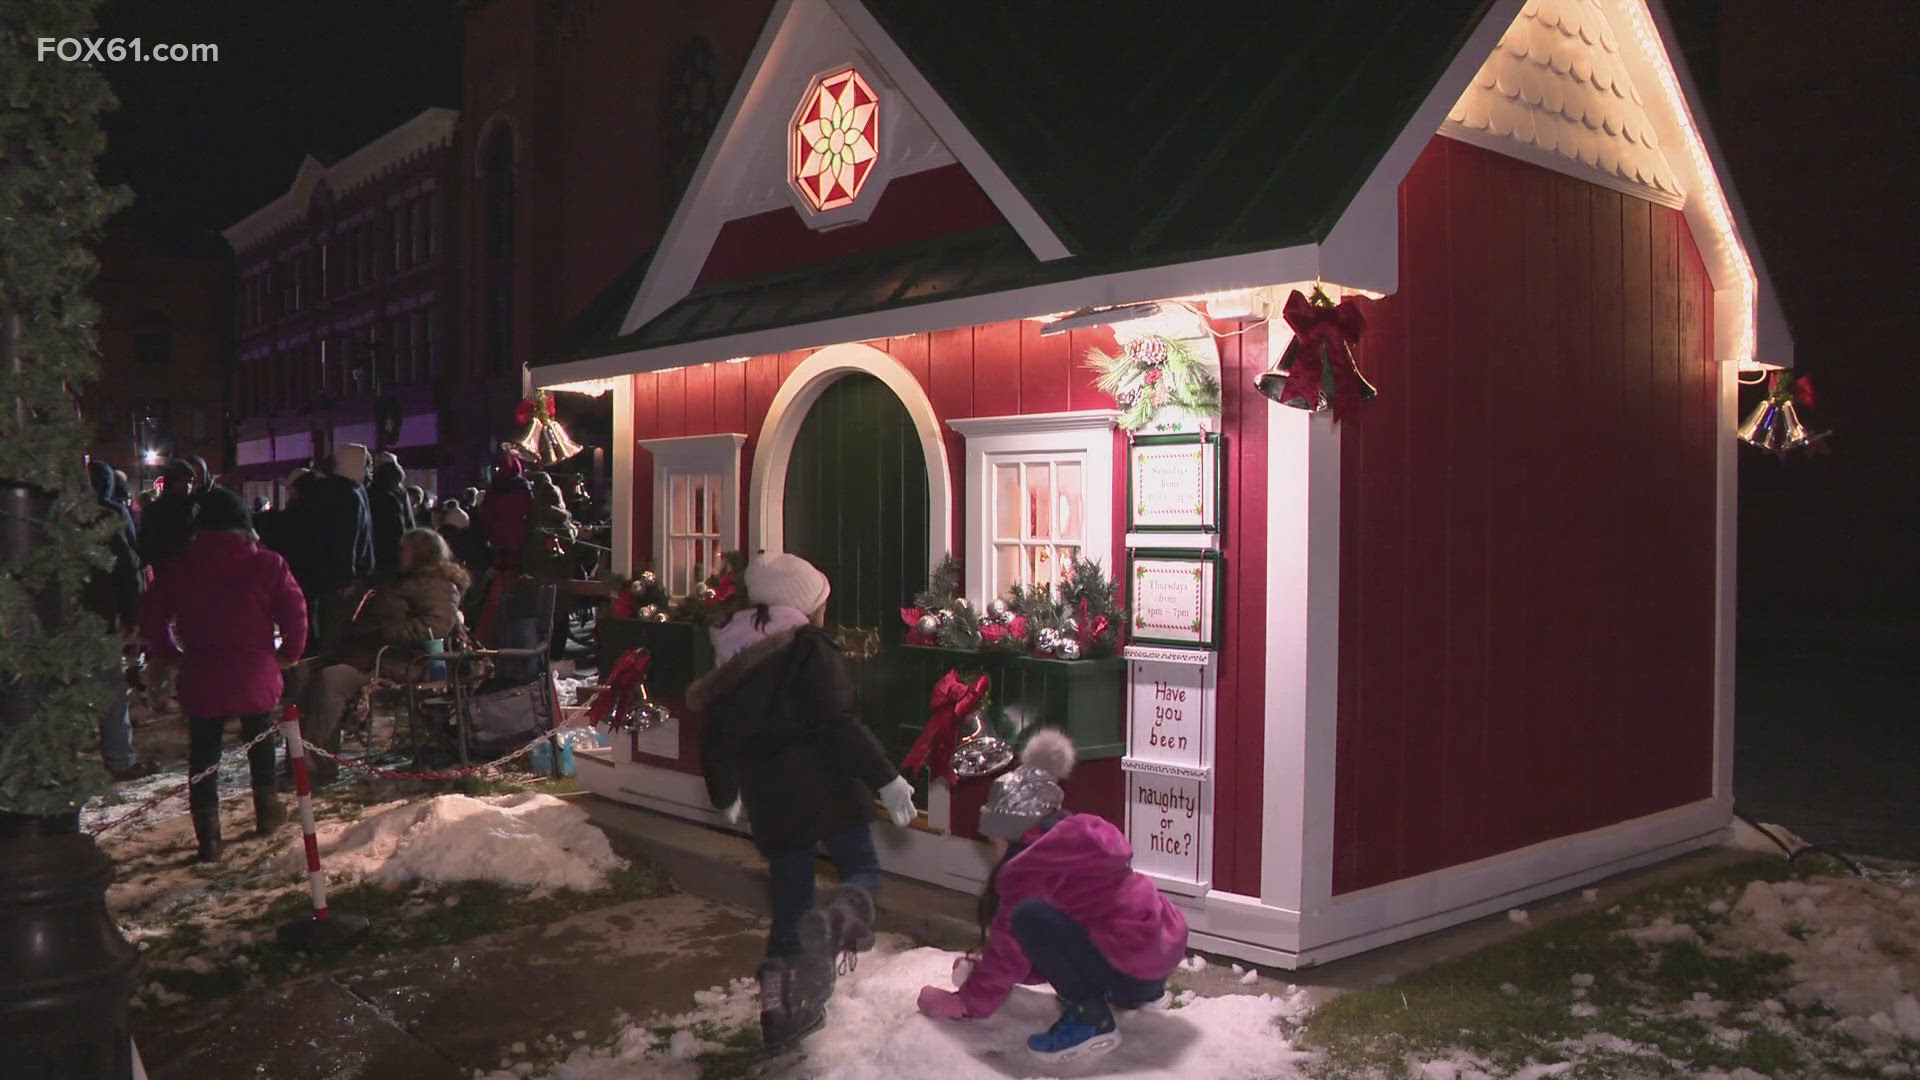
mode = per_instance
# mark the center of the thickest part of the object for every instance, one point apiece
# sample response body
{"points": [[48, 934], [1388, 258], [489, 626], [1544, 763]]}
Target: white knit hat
{"points": [[786, 581], [454, 517]]}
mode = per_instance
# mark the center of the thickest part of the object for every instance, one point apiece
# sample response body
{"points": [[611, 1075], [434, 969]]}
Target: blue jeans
{"points": [[116, 726], [1068, 958], [791, 874]]}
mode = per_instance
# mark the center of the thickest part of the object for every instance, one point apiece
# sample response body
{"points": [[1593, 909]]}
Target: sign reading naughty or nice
{"points": [[1165, 823]]}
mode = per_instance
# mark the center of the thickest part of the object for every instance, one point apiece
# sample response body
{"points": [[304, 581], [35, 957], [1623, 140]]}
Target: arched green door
{"points": [[856, 503], [856, 506]]}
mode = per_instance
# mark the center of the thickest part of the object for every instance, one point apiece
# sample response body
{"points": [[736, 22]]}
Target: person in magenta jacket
{"points": [[214, 613], [1064, 906]]}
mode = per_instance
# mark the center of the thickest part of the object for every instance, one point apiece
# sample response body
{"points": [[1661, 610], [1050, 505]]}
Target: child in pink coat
{"points": [[1066, 907]]}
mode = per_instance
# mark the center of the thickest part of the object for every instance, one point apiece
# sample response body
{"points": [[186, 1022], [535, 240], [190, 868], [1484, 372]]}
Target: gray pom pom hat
{"points": [[1029, 794]]}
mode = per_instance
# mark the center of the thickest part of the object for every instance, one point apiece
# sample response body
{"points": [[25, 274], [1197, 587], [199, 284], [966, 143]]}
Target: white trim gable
{"points": [[802, 40]]}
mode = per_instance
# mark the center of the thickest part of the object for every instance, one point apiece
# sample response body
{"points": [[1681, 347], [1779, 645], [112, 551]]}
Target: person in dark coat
{"points": [[215, 613], [340, 527], [784, 742], [167, 525], [113, 593], [391, 508]]}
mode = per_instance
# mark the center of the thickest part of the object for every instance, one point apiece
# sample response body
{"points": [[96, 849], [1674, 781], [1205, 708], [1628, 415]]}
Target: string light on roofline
{"points": [[1719, 214]]}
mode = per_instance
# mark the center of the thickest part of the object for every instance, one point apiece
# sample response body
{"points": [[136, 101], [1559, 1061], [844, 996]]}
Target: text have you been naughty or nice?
{"points": [[1178, 804], [1169, 718]]}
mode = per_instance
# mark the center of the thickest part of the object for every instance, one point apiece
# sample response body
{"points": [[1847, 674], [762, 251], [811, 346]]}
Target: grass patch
{"points": [[739, 1057], [1515, 1004]]}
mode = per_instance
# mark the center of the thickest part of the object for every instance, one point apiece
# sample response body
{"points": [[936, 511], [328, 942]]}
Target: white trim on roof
{"points": [[782, 63], [432, 127]]}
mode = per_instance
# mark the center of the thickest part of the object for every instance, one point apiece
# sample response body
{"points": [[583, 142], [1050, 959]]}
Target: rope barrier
{"points": [[143, 808]]}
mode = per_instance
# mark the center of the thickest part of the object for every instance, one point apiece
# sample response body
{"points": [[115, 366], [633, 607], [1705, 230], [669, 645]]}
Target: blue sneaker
{"points": [[1085, 1029]]}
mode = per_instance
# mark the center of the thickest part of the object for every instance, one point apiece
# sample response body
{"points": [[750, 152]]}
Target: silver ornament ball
{"points": [[1069, 649]]}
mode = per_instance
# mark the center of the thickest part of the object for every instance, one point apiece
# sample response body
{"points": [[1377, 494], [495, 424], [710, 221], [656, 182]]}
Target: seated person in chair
{"points": [[420, 604]]}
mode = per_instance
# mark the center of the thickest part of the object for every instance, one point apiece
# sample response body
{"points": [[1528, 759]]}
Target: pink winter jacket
{"points": [[213, 610], [1084, 867]]}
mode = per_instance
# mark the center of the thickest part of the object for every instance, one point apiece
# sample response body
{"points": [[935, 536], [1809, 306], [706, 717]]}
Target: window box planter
{"points": [[1085, 698], [681, 651]]}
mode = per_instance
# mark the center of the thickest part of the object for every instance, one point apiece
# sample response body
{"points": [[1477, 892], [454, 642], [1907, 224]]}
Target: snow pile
{"points": [[528, 840], [873, 1032], [1855, 947]]}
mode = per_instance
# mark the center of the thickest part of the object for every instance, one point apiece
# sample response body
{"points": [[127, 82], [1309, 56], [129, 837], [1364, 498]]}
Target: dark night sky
{"points": [[202, 144]]}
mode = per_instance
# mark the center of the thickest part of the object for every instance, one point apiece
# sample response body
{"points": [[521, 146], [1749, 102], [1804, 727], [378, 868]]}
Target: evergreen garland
{"points": [[1151, 373], [52, 651]]}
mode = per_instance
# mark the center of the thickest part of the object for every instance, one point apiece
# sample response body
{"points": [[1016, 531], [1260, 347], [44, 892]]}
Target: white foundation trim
{"points": [[941, 859], [1247, 929], [1303, 653], [766, 494]]}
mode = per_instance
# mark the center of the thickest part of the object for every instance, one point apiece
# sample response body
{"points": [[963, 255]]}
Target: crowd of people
{"points": [[236, 609]]}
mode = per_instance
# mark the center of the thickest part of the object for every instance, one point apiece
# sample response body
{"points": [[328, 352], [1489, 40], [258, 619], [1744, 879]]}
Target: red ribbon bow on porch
{"points": [[724, 589], [1785, 386], [953, 698], [614, 700], [1325, 335], [524, 412]]}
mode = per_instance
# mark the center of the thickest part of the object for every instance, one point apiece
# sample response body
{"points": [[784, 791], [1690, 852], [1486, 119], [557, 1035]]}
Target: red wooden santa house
{"points": [[1467, 646]]}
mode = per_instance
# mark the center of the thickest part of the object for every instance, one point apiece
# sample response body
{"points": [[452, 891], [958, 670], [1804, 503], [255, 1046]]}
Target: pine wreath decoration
{"points": [[1151, 373]]}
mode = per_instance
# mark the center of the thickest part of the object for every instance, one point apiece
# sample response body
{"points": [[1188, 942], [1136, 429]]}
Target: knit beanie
{"points": [[455, 518], [787, 581], [1030, 794], [220, 510]]}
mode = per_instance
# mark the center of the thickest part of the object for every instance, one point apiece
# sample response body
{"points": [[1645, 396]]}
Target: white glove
{"points": [[732, 813], [898, 795]]}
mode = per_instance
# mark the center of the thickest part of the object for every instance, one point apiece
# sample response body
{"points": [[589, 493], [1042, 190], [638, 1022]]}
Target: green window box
{"points": [[1086, 698], [681, 651]]}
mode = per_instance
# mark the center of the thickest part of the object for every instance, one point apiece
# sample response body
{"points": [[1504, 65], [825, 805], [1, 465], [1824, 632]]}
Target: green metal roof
{"points": [[1143, 133]]}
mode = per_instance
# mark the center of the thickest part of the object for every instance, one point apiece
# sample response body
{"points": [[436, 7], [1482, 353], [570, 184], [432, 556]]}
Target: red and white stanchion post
{"points": [[326, 929]]}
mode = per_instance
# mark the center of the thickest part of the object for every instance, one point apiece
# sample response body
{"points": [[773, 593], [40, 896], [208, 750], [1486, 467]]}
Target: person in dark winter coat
{"points": [[504, 514], [340, 528], [215, 613], [392, 511], [113, 593], [167, 525], [418, 605], [783, 741]]}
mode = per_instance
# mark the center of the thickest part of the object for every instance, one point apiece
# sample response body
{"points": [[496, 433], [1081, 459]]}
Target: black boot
{"points": [[206, 830], [849, 912], [268, 814]]}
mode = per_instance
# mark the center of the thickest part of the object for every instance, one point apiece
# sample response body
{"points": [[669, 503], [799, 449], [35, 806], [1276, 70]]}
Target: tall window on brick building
{"points": [[153, 338], [497, 275]]}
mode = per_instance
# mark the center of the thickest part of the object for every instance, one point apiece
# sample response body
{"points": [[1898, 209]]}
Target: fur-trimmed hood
{"points": [[723, 680]]}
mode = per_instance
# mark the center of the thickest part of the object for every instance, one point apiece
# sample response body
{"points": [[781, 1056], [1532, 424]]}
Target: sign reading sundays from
{"points": [[1173, 483], [1174, 598]]}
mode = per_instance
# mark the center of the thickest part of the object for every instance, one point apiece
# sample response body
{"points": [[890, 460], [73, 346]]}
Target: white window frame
{"points": [[700, 455], [1087, 436]]}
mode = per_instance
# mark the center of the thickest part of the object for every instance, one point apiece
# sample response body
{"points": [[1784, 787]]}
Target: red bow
{"points": [[624, 604], [953, 699], [523, 412], [1784, 387], [1325, 335], [911, 616], [724, 589], [612, 703]]}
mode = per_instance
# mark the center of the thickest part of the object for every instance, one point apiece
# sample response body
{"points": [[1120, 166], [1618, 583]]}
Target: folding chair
{"points": [[503, 693]]}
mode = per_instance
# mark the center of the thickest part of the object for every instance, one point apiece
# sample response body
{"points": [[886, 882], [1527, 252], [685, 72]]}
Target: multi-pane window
{"points": [[423, 228], [693, 529], [422, 347], [1039, 518], [1039, 494]]}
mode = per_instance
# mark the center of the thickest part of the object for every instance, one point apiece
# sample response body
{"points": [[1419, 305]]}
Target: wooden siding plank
{"points": [[996, 369], [701, 407], [1045, 370]]}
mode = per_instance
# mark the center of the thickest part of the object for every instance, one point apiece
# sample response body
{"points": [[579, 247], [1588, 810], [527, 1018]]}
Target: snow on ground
{"points": [[1854, 943], [873, 1032], [528, 840]]}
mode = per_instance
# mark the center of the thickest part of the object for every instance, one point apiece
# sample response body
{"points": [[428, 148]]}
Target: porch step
{"points": [[726, 867]]}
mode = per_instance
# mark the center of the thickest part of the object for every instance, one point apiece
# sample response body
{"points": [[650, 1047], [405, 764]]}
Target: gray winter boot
{"points": [[849, 910], [785, 1017]]}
